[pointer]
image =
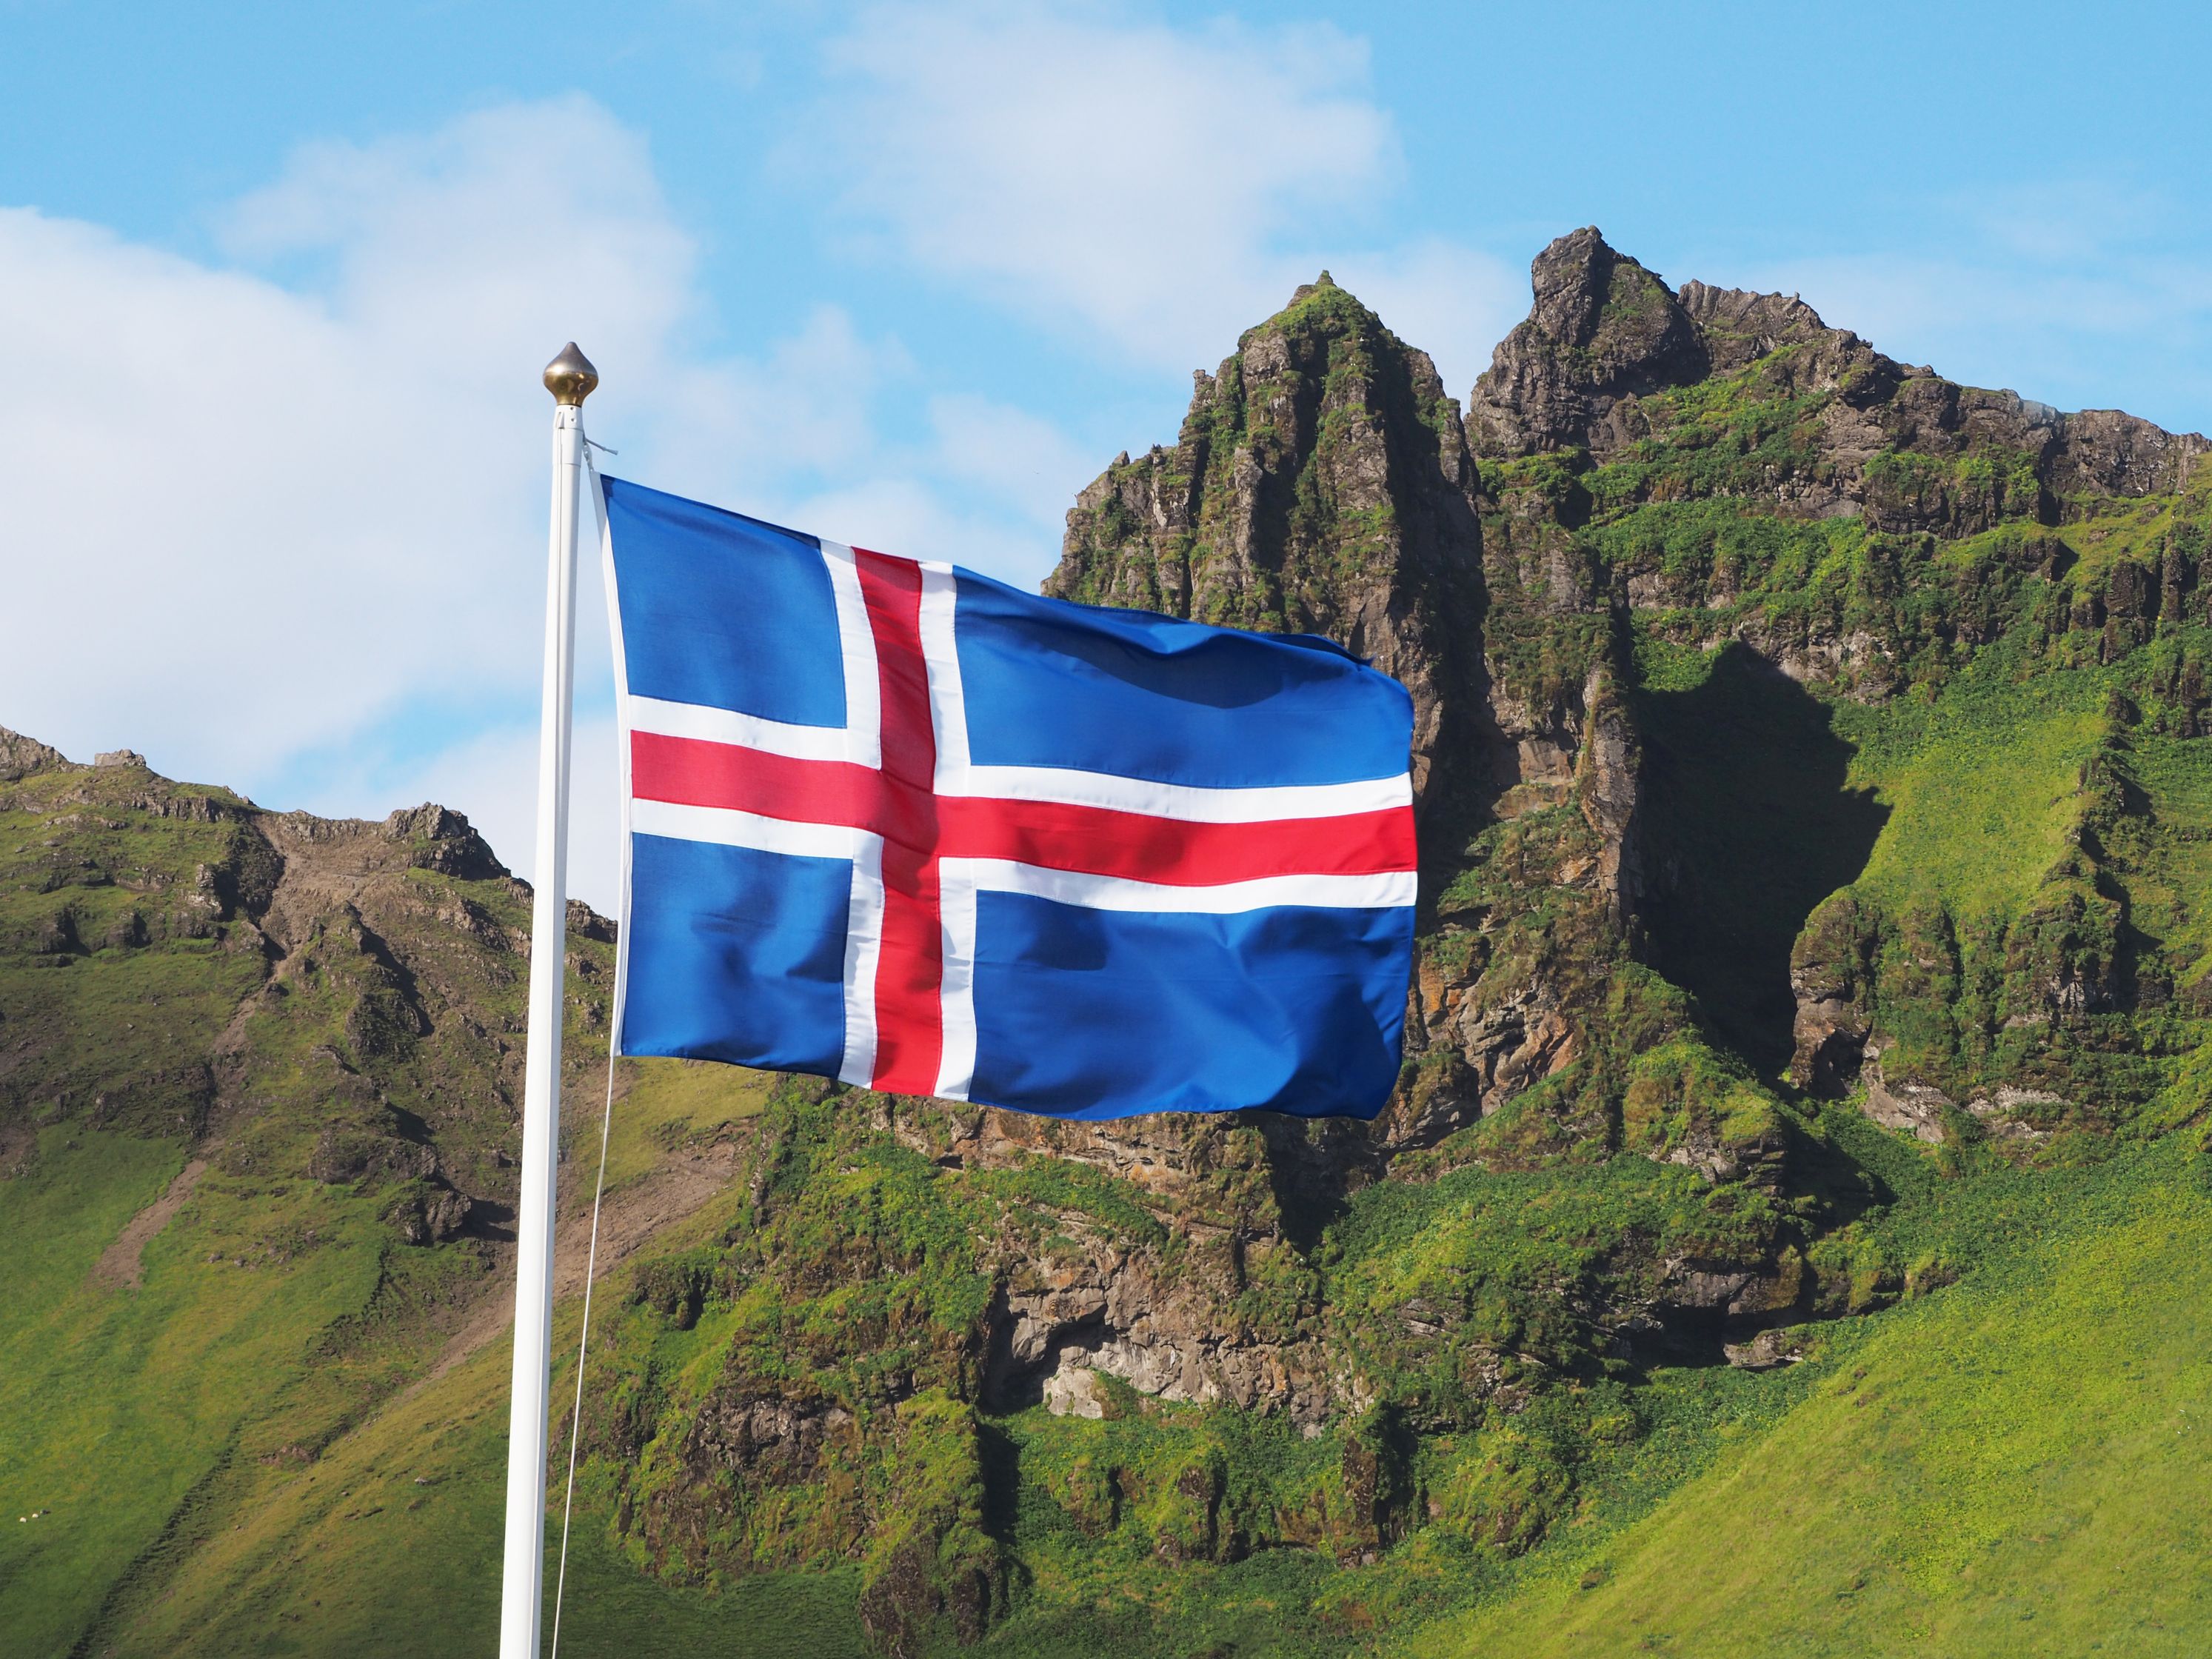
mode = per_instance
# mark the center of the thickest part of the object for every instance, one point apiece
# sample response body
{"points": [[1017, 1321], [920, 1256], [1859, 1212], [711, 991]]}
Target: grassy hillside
{"points": [[124, 1404], [1982, 785], [2008, 1463], [2015, 1466], [250, 1452], [390, 1546]]}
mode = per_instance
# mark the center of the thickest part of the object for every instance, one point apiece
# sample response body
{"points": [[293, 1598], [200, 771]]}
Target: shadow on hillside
{"points": [[1748, 825], [998, 1458], [1313, 1164]]}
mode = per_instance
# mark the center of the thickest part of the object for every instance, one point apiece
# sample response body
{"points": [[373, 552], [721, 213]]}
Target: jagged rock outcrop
{"points": [[1606, 335], [1121, 1307], [1619, 404], [1320, 484], [20, 756], [1603, 330]]}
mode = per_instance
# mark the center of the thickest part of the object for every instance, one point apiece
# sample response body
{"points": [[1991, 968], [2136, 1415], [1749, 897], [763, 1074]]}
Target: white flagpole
{"points": [[570, 378]]}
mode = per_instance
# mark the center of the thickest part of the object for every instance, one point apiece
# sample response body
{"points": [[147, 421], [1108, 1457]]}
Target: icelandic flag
{"points": [[891, 822]]}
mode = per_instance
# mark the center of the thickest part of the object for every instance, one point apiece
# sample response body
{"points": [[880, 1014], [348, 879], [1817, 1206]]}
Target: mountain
{"points": [[1801, 1125]]}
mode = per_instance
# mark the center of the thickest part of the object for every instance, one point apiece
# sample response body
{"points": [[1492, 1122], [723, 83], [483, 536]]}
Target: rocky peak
{"points": [[1604, 332], [19, 755], [1737, 327], [1590, 296], [1320, 483], [1602, 328], [444, 841]]}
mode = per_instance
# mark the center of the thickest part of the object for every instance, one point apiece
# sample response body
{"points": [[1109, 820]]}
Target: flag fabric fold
{"points": [[891, 822]]}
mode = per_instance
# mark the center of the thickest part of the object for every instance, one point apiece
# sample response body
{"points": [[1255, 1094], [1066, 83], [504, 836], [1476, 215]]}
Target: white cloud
{"points": [[1018, 458], [1148, 191], [2065, 219], [280, 523], [270, 514], [1132, 180], [898, 513]]}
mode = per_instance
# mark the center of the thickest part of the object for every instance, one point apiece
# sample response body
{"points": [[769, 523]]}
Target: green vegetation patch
{"points": [[2007, 1467], [1982, 784], [122, 1401]]}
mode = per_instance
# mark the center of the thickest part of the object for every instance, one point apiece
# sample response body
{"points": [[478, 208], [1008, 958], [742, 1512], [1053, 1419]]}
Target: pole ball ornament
{"points": [[570, 377]]}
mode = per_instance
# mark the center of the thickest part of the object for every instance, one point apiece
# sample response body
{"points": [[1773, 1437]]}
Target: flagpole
{"points": [[570, 378]]}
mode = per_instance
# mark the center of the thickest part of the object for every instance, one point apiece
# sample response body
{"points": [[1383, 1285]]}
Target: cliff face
{"points": [[1721, 472], [1320, 484]]}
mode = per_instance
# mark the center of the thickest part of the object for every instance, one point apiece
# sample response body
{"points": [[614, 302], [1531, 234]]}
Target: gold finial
{"points": [[570, 376]]}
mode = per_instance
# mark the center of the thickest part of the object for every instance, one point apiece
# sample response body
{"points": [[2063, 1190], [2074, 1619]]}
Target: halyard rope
{"points": [[583, 1339]]}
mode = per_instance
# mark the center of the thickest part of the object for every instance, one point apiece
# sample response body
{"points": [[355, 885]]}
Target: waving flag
{"points": [[895, 823]]}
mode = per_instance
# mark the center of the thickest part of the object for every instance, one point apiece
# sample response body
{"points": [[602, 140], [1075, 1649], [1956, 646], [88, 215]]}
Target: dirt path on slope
{"points": [[630, 1215], [123, 1262], [121, 1265]]}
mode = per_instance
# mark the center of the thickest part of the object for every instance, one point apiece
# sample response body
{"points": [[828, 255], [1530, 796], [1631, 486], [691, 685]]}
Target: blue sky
{"points": [[275, 281]]}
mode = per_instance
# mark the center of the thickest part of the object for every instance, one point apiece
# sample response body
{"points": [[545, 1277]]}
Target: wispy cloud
{"points": [[280, 520], [1011, 452], [1146, 190], [1100, 175]]}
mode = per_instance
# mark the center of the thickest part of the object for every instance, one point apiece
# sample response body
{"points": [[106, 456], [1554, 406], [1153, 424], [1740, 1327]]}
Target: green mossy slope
{"points": [[2008, 1464], [2015, 1466], [126, 1405], [389, 1548]]}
